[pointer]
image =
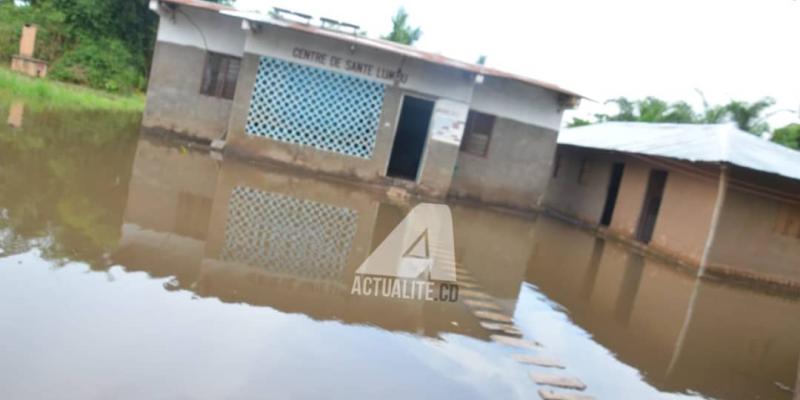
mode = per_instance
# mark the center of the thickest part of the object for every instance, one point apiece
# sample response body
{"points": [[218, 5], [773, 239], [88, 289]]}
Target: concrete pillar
{"points": [[27, 42], [441, 153]]}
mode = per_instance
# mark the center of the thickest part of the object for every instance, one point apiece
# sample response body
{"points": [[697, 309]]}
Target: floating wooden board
{"points": [[563, 381], [535, 359], [548, 394], [493, 316], [516, 342]]}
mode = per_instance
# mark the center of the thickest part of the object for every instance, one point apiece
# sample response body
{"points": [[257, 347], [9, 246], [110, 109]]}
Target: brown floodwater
{"points": [[134, 268]]}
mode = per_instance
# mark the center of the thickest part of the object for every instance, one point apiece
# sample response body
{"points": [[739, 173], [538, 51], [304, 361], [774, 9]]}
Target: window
{"points": [[477, 133], [219, 75], [787, 222]]}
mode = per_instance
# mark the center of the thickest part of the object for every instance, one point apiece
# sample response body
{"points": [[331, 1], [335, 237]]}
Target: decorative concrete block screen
{"points": [[314, 107], [288, 236]]}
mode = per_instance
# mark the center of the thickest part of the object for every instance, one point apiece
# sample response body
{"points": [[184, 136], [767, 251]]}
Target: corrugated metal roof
{"points": [[381, 44], [723, 143]]}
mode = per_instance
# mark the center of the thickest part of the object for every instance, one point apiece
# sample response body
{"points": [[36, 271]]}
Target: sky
{"points": [[734, 49]]}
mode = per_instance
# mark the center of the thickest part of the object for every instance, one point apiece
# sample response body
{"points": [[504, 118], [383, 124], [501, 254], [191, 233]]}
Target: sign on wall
{"points": [[349, 65], [448, 121]]}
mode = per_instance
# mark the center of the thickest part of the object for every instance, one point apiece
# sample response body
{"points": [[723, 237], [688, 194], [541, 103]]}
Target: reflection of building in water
{"points": [[287, 235], [723, 341], [270, 238]]}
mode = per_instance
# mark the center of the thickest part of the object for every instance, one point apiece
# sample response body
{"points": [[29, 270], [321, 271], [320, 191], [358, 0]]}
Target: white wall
{"points": [[440, 81], [518, 101], [189, 26]]}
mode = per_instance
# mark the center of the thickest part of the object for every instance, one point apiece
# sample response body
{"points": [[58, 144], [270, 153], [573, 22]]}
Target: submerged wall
{"points": [[684, 217], [580, 197], [332, 106], [761, 250], [174, 101]]}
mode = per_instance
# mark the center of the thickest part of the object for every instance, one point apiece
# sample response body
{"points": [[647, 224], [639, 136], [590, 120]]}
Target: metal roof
{"points": [[380, 44], [722, 143]]}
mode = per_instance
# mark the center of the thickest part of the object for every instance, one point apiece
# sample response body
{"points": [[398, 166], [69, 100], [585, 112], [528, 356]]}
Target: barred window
{"points": [[220, 75], [477, 133]]}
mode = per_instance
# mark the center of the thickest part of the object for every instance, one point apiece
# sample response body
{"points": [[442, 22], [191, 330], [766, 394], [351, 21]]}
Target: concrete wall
{"points": [[758, 250], [518, 101], [683, 219], [529, 116], [174, 102], [582, 200], [516, 169], [425, 80]]}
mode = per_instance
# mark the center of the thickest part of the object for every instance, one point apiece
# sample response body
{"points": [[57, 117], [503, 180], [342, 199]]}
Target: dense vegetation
{"points": [[104, 44], [749, 117]]}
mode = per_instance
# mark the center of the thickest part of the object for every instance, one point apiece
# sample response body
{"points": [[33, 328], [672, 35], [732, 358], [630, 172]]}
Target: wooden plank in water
{"points": [[548, 394], [562, 381], [500, 327], [516, 342], [493, 316], [540, 360]]}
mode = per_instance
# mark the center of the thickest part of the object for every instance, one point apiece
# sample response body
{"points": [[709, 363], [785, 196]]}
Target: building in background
{"points": [[325, 98], [710, 195]]}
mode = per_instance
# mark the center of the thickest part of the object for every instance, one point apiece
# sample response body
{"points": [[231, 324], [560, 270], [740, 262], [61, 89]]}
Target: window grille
{"points": [[314, 107]]}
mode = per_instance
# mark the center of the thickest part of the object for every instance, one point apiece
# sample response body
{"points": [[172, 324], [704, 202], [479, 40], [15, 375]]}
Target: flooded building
{"points": [[710, 195], [324, 97]]}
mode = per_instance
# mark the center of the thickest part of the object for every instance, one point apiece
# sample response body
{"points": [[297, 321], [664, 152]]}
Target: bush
{"points": [[102, 63]]}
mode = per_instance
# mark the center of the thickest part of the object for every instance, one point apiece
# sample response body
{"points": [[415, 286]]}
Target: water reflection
{"points": [[247, 277], [681, 334]]}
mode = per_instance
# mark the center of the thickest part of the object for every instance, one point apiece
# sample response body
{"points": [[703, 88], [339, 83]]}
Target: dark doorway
{"points": [[410, 137], [652, 202], [611, 196]]}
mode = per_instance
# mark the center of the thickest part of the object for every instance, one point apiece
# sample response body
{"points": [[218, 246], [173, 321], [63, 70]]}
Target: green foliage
{"points": [[103, 63], [576, 122], [43, 93], [105, 44], [402, 32], [749, 117], [788, 136]]}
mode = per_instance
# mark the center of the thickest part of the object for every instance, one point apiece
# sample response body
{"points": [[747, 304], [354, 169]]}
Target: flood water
{"points": [[134, 268]]}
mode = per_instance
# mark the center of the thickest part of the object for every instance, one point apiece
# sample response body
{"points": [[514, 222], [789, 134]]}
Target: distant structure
{"points": [[24, 62], [711, 195], [320, 96]]}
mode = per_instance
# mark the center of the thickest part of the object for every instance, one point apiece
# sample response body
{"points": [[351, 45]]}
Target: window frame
{"points": [[221, 76]]}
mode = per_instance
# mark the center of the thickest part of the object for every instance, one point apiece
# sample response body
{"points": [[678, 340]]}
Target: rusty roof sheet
{"points": [[380, 44]]}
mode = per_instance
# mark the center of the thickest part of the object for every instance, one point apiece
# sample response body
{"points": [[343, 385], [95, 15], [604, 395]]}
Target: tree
{"points": [[788, 136], [650, 109], [401, 31], [748, 116]]}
